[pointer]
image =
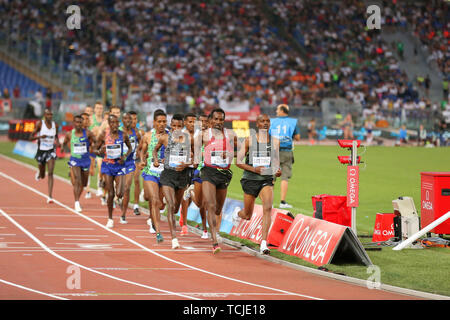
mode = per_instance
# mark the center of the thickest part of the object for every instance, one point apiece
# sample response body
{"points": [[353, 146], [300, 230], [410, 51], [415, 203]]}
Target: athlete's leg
{"points": [[75, 177], [109, 188], [249, 204], [128, 180], [210, 204], [152, 190], [50, 169], [169, 194], [266, 196]]}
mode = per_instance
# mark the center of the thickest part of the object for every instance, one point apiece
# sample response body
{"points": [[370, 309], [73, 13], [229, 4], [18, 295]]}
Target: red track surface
{"points": [[127, 263]]}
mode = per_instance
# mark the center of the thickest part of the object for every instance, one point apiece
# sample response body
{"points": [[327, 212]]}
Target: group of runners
{"points": [[186, 160]]}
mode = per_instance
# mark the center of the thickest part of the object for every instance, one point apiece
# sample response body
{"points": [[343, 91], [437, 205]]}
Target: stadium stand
{"points": [[267, 52]]}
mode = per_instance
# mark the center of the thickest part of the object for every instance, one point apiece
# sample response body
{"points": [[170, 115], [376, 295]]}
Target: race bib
{"points": [[79, 148], [113, 151], [175, 159], [157, 170], [218, 160], [47, 143], [261, 159]]}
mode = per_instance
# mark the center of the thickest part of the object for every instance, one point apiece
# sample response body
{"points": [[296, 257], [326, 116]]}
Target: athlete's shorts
{"points": [[254, 187], [130, 166], [175, 179], [149, 177], [219, 177], [84, 164], [196, 176], [113, 169], [42, 156]]}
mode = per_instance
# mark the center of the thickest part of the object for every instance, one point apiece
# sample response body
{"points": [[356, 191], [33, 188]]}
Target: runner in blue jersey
{"points": [[286, 130], [80, 142], [130, 165], [110, 144]]}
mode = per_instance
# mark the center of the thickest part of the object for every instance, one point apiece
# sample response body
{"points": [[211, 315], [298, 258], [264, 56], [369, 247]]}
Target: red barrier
{"points": [[252, 229], [332, 208], [321, 242], [384, 227]]}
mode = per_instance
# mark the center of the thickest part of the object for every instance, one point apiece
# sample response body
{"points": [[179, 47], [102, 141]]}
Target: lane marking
{"points": [[32, 290], [41, 244], [150, 250]]}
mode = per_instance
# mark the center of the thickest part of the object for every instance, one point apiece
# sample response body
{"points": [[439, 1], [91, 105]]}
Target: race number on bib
{"points": [[219, 158], [158, 169], [80, 148], [113, 151], [261, 159], [175, 160]]}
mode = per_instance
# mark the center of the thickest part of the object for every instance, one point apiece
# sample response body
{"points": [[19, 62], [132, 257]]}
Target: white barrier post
{"points": [[420, 233]]}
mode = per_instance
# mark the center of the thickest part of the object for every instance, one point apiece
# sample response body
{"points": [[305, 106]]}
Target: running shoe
{"points": [[216, 248], [235, 217], [175, 244], [205, 235], [99, 192], [77, 206], [88, 195], [136, 211], [110, 223], [103, 200], [285, 205], [50, 200], [187, 192], [123, 220], [263, 248], [184, 231], [37, 176], [159, 238]]}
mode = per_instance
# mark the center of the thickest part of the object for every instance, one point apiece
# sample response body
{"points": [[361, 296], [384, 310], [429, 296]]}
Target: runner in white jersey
{"points": [[46, 133]]}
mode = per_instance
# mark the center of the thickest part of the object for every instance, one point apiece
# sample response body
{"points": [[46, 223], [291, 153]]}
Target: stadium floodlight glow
{"points": [[349, 143]]}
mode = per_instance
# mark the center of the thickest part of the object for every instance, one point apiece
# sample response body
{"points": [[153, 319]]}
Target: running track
{"points": [[44, 246]]}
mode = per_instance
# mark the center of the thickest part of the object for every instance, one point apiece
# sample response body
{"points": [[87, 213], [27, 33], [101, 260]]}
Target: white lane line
{"points": [[32, 290], [41, 244], [75, 235], [150, 250], [51, 228]]}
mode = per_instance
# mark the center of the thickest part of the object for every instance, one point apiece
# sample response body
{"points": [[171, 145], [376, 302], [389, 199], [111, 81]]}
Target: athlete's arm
{"points": [[276, 156], [91, 139], [128, 143], [99, 146], [143, 146], [67, 138], [161, 141], [57, 143], [38, 127]]}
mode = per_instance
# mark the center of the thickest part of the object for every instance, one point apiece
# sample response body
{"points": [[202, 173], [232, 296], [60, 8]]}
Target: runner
{"points": [[175, 177], [216, 174], [151, 174], [46, 132], [86, 125], [130, 165], [137, 172], [194, 191], [189, 124], [259, 158], [79, 141], [96, 122], [110, 143]]}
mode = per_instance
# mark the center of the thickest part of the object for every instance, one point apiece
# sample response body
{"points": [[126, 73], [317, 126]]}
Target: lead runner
{"points": [[259, 158]]}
